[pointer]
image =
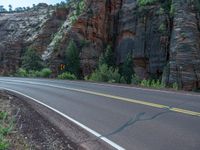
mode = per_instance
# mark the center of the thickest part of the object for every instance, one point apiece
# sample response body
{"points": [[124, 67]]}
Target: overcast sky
{"points": [[25, 3]]}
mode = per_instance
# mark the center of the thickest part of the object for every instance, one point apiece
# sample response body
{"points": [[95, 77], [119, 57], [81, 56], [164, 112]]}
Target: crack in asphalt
{"points": [[132, 121]]}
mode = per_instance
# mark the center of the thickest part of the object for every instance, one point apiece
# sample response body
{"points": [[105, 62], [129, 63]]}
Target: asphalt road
{"points": [[134, 118]]}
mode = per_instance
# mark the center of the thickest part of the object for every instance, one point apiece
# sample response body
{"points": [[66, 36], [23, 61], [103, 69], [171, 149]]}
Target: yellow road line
{"points": [[173, 109], [155, 105]]}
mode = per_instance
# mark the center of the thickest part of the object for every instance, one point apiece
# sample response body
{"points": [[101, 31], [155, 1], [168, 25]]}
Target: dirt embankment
{"points": [[31, 130]]}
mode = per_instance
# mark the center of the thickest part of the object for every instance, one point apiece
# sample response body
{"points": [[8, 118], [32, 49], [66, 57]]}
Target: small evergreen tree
{"points": [[72, 59], [127, 68], [108, 57], [31, 60], [10, 8]]}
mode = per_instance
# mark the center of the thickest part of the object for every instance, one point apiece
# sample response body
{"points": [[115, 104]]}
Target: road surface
{"points": [[133, 118]]}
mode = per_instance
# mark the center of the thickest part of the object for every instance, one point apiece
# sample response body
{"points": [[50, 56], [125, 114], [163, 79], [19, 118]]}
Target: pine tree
{"points": [[10, 8], [72, 59], [108, 57], [31, 60], [127, 68]]}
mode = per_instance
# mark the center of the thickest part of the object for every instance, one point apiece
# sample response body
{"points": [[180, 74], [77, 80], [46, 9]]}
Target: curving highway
{"points": [[126, 117]]}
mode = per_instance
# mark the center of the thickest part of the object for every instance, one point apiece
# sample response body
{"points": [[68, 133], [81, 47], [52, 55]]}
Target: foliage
{"points": [[21, 72], [127, 68], [6, 126], [162, 28], [135, 80], [79, 7], [72, 58], [106, 74], [67, 75], [161, 11], [172, 10], [146, 2], [44, 73], [152, 83], [175, 86], [108, 57], [4, 145], [31, 60]]}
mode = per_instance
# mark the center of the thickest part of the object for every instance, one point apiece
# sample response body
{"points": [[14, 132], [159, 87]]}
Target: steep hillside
{"points": [[18, 31], [162, 36]]}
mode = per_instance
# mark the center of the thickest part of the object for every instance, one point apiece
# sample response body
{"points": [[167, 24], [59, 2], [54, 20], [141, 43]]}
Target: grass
{"points": [[6, 126]]}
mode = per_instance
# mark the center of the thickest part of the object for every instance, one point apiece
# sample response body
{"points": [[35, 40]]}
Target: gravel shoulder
{"points": [[31, 130]]}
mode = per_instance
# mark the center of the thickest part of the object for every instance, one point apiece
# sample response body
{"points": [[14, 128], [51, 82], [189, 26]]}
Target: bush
{"points": [[106, 74], [33, 73], [31, 60], [67, 75], [127, 68], [107, 57], [135, 80], [21, 73], [175, 86], [152, 83], [146, 2], [45, 73], [145, 83]]}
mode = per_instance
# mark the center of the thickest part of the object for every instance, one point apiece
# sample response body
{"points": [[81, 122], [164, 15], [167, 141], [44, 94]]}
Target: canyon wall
{"points": [[162, 36]]}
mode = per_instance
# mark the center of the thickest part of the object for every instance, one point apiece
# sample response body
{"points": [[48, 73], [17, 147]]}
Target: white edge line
{"points": [[71, 119]]}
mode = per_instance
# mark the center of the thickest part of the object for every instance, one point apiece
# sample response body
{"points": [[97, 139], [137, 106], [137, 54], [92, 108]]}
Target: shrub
{"points": [[33, 73], [106, 74], [67, 75], [108, 57], [152, 83], [175, 86], [162, 28], [122, 80], [45, 73], [31, 60], [146, 2], [4, 145], [127, 69], [145, 83], [21, 73], [135, 80]]}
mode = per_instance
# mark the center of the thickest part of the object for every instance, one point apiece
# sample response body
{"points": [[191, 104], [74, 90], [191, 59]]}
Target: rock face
{"points": [[184, 60], [163, 37], [139, 34], [20, 30]]}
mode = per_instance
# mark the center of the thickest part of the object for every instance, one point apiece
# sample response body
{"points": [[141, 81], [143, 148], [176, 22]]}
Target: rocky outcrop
{"points": [[18, 31], [163, 37], [128, 28], [184, 61], [139, 33]]}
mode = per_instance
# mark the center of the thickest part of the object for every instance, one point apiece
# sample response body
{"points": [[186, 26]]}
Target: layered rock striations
{"points": [[162, 36], [18, 31]]}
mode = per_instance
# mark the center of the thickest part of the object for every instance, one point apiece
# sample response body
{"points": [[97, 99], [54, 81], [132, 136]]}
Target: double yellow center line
{"points": [[155, 105]]}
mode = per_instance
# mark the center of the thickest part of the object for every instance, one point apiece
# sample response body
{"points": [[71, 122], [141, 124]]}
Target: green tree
{"points": [[10, 8], [108, 57], [31, 60], [72, 58], [2, 9], [106, 74], [127, 68]]}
